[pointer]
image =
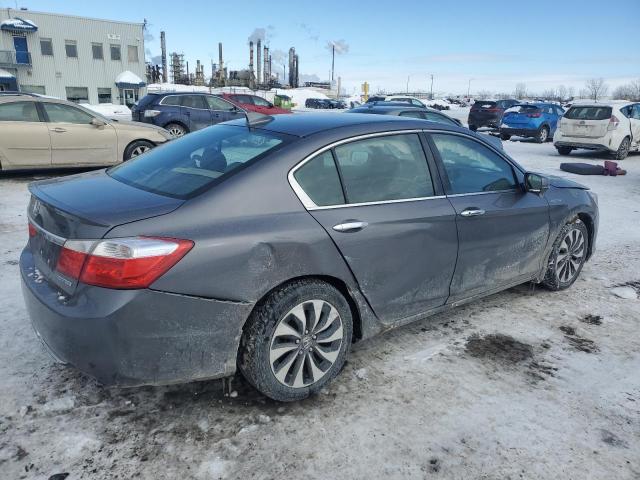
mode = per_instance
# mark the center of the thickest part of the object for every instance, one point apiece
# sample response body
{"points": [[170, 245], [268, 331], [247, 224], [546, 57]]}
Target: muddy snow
{"points": [[523, 384]]}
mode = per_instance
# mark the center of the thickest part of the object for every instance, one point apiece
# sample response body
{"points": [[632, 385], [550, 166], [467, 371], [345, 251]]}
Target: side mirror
{"points": [[536, 183], [96, 122]]}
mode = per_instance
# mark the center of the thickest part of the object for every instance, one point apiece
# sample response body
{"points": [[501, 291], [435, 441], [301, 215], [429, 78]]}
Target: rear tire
{"points": [[137, 148], [176, 129], [473, 128], [564, 150], [567, 256], [542, 135], [296, 341], [505, 136], [623, 149]]}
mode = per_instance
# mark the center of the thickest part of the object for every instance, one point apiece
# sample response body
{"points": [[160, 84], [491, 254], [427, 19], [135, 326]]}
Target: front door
{"points": [[75, 140], [196, 110], [221, 110], [395, 232], [502, 230], [130, 96], [22, 51], [24, 138]]}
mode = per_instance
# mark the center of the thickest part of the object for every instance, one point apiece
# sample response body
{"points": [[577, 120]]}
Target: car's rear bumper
{"points": [[134, 337], [484, 121], [519, 132], [585, 145]]}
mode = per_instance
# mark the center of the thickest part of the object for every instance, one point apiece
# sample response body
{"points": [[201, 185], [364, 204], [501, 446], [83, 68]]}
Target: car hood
{"points": [[130, 126], [560, 182]]}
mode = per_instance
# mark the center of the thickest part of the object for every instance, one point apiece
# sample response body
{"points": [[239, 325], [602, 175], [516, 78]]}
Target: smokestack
{"points": [[266, 73], [270, 65], [296, 76], [251, 57], [259, 61], [163, 46], [220, 64], [333, 60], [292, 54]]}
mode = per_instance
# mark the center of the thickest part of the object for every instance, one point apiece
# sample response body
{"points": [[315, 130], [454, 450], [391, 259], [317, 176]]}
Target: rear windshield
{"points": [[484, 104], [185, 167], [523, 109], [588, 113]]}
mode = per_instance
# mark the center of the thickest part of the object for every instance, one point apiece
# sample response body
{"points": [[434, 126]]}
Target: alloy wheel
{"points": [[139, 150], [176, 131], [306, 343], [544, 134], [570, 255]]}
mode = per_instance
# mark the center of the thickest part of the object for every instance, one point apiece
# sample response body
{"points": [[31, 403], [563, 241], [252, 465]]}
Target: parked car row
{"points": [[324, 103]]}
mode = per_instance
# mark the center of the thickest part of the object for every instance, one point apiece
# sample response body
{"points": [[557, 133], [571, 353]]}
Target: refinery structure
{"points": [[259, 73]]}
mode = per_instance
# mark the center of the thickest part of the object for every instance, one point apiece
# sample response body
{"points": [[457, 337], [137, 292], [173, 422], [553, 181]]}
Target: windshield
{"points": [[588, 113], [185, 167]]}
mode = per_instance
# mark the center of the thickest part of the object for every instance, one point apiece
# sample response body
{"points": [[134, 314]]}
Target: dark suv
{"points": [[184, 112], [488, 113]]}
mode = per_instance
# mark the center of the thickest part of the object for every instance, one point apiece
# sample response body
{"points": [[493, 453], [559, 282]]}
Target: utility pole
{"points": [[431, 94], [408, 77], [333, 60], [469, 88]]}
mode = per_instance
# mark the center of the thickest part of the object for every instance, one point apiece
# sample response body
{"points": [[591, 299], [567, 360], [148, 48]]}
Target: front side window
{"points": [[172, 100], [216, 103], [472, 167], [46, 46], [434, 117], [71, 48], [104, 95], [260, 102], [132, 53], [96, 50], [115, 52], [18, 112], [61, 113], [77, 94], [320, 180], [185, 168], [392, 167]]}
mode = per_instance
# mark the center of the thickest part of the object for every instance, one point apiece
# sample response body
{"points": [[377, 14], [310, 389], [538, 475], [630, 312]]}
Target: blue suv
{"points": [[537, 120], [184, 112]]}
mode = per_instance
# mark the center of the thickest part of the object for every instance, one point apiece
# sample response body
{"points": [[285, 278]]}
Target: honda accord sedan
{"points": [[269, 246]]}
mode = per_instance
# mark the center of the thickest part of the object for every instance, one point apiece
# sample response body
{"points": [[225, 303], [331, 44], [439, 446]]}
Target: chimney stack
{"points": [[163, 47], [251, 57], [259, 62], [266, 73]]}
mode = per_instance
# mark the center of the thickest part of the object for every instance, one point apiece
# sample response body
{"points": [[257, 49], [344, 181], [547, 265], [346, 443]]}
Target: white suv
{"points": [[610, 127]]}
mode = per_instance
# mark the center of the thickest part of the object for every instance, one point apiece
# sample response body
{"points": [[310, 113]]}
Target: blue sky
{"points": [[494, 43]]}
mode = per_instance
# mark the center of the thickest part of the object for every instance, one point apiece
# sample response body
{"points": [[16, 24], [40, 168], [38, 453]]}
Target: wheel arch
{"points": [[588, 221], [177, 122], [128, 145]]}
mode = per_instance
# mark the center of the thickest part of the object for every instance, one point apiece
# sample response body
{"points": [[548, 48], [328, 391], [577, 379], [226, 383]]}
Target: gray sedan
{"points": [[270, 247]]}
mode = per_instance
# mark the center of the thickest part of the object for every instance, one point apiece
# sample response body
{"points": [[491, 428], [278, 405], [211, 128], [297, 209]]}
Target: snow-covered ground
{"points": [[524, 384]]}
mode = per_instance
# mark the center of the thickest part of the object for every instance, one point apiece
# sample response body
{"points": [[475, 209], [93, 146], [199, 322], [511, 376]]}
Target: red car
{"points": [[254, 103]]}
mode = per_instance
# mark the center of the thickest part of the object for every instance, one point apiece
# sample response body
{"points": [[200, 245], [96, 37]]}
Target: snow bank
{"points": [[110, 110]]}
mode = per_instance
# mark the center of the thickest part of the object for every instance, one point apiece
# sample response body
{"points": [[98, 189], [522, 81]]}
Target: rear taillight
{"points": [[493, 109], [32, 230], [613, 123], [151, 113], [123, 263], [534, 115]]}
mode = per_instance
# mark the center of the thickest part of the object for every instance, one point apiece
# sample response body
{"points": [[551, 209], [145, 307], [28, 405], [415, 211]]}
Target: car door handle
{"points": [[354, 226], [472, 212], [59, 130]]}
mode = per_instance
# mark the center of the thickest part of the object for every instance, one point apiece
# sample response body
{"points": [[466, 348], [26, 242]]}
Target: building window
{"points": [[115, 52], [104, 95], [78, 94], [71, 47], [39, 89], [98, 54], [46, 46], [133, 53]]}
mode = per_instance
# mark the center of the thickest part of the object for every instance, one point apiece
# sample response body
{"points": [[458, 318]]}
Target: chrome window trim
{"points": [[379, 202], [511, 190], [48, 235], [193, 108]]}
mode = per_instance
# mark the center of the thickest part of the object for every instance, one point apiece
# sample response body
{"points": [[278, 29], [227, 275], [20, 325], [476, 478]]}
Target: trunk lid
{"points": [[520, 115], [586, 121], [84, 206]]}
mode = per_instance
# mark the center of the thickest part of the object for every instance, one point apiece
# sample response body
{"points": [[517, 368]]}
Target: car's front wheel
{"points": [[567, 257], [564, 150], [176, 129], [137, 148], [505, 136], [296, 340], [543, 134], [473, 128]]}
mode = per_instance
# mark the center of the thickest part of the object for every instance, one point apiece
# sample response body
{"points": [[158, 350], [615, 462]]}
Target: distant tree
{"points": [[520, 91], [484, 94], [561, 92], [503, 96], [571, 92], [630, 91], [549, 94], [596, 88]]}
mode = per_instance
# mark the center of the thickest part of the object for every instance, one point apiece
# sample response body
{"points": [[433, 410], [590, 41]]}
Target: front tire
{"points": [[137, 148], [564, 150], [505, 136], [623, 149], [567, 256], [543, 134], [473, 128], [296, 341]]}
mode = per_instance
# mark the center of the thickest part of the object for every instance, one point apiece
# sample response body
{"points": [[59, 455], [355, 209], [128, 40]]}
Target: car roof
{"points": [[305, 124], [179, 93], [614, 104], [390, 108]]}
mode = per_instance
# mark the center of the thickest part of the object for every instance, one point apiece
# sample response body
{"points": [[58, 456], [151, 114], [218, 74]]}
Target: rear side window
{"points": [[471, 167], [434, 117], [216, 103], [186, 167], [588, 113], [193, 101], [173, 100], [260, 102], [18, 112], [384, 168], [320, 180]]}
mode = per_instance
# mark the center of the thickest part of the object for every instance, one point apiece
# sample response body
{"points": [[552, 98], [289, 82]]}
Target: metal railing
{"points": [[11, 58]]}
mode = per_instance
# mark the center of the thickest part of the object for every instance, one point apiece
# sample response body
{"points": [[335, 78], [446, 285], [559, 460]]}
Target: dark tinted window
{"points": [[216, 103], [193, 101], [472, 167], [320, 181], [384, 168], [483, 104], [71, 48], [412, 114], [46, 46], [187, 166], [635, 113], [115, 52], [173, 100], [588, 113], [18, 112], [435, 117], [96, 50], [523, 109]]}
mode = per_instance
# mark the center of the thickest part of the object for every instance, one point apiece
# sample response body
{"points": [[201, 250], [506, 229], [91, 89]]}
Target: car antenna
{"points": [[255, 119]]}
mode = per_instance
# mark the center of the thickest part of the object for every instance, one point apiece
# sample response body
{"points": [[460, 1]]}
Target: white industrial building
{"points": [[84, 60]]}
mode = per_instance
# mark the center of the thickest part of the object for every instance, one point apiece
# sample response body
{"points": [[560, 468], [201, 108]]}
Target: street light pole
{"points": [[408, 77], [469, 88], [431, 94]]}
